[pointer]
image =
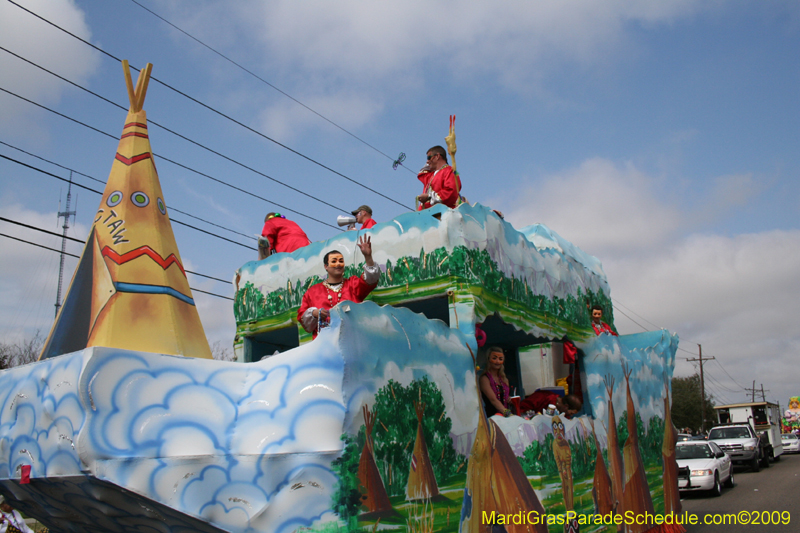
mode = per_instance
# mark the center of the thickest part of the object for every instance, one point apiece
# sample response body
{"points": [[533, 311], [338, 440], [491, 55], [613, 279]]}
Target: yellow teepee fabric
{"points": [[130, 289]]}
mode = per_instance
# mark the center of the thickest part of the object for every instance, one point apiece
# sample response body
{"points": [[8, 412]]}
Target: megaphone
{"points": [[345, 220]]}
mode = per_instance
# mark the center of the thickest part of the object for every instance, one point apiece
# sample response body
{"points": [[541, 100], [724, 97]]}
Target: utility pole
{"points": [[753, 390], [702, 387], [763, 395], [66, 214]]}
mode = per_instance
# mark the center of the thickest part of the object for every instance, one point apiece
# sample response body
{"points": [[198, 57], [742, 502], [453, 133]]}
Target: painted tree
{"points": [[394, 433], [347, 497]]}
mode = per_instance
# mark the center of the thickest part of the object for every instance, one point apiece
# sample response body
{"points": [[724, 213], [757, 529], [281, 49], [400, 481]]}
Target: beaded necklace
{"points": [[501, 390], [335, 288]]}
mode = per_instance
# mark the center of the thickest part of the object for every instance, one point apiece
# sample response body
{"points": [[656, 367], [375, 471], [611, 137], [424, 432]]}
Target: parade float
{"points": [[791, 417], [126, 424]]}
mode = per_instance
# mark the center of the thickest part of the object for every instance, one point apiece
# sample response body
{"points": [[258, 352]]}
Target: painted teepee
{"points": [[636, 495], [614, 456], [496, 483], [421, 479], [374, 497], [130, 289], [601, 484], [672, 498]]}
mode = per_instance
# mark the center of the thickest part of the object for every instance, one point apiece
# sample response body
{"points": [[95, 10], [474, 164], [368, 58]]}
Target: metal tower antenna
{"points": [[66, 214]]}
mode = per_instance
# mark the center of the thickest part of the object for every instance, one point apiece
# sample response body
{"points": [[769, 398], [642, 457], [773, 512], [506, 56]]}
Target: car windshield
{"points": [[693, 452], [789, 436], [729, 433]]}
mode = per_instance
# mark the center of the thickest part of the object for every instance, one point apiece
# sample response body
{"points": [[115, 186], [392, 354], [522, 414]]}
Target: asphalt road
{"points": [[776, 488]]}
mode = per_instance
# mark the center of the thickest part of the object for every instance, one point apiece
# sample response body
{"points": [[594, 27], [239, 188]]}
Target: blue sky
{"points": [[660, 137]]}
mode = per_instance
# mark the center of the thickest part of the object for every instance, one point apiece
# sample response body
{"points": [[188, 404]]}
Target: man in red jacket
{"points": [[314, 312], [364, 217], [597, 322], [440, 182], [281, 234]]}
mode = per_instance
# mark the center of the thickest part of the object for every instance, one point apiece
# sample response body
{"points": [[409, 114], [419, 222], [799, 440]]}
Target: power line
{"points": [[78, 257], [39, 245], [679, 348], [716, 393], [632, 320], [35, 228], [719, 384], [284, 208], [726, 373], [226, 58], [213, 110], [52, 162], [635, 313], [100, 193], [172, 208], [173, 132]]}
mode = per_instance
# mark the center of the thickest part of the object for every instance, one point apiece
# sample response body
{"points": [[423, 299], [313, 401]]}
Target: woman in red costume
{"points": [[314, 312]]}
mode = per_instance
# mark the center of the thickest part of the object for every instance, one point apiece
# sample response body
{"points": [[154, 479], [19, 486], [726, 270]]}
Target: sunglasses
{"points": [[432, 156]]}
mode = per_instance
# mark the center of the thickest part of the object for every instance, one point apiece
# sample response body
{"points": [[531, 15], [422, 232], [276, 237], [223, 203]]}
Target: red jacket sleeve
{"points": [[358, 289], [447, 186], [368, 224]]}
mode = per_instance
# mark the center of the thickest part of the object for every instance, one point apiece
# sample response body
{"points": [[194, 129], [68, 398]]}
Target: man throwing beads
{"points": [[314, 312]]}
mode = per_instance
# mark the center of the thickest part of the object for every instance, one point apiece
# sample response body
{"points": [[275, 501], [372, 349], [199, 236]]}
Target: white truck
{"points": [[764, 418]]}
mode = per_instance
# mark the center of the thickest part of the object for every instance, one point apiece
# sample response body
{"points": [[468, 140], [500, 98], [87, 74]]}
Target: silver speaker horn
{"points": [[345, 220]]}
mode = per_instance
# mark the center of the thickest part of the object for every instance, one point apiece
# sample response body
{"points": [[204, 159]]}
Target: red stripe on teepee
{"points": [[138, 252], [134, 134], [414, 462], [137, 124], [135, 159]]}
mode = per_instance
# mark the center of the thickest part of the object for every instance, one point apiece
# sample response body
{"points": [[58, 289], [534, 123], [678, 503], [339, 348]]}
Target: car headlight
{"points": [[749, 448], [701, 472]]}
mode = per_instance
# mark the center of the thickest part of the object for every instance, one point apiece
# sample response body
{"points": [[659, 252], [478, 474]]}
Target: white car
{"points": [[708, 466], [791, 444]]}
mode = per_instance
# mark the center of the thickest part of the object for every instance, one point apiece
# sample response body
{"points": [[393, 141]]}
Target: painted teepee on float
{"points": [[614, 456], [636, 495], [374, 496], [672, 498], [130, 289], [601, 484], [421, 479]]}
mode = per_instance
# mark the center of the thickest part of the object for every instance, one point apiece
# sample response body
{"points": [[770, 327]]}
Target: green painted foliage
{"points": [[650, 441], [347, 497], [471, 266], [396, 429]]}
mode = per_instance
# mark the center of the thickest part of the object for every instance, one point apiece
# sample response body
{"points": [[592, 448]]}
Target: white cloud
{"points": [[735, 294], [30, 273], [351, 57], [36, 41], [349, 110], [602, 206]]}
